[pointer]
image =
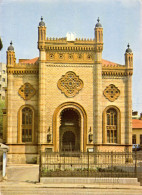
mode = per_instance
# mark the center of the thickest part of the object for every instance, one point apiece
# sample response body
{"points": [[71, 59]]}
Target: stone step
{"points": [[78, 180]]}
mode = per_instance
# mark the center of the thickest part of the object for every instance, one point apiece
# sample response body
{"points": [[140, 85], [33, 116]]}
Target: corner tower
{"points": [[42, 80], [41, 35], [129, 57], [97, 85], [128, 89], [11, 60]]}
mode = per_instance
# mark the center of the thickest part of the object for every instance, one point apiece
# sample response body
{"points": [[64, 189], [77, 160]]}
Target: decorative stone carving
{"points": [[26, 91], [70, 56], [51, 56], [70, 84], [111, 92]]}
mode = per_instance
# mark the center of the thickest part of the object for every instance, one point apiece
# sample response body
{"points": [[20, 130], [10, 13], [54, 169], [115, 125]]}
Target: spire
{"points": [[98, 19]]}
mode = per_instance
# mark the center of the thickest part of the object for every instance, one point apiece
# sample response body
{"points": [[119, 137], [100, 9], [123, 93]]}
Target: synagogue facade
{"points": [[67, 99]]}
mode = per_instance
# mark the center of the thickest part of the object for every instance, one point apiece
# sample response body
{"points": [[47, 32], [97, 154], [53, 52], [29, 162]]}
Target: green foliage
{"points": [[1, 45], [2, 105]]}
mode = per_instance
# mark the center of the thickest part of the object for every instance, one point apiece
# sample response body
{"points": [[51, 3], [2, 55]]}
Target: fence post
{"points": [[88, 163], [135, 163], [39, 164]]}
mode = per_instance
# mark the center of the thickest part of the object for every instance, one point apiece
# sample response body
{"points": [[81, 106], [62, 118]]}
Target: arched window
{"points": [[111, 125], [26, 124]]}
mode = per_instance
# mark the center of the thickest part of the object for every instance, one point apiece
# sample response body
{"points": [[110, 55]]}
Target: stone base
{"points": [[78, 180], [22, 159]]}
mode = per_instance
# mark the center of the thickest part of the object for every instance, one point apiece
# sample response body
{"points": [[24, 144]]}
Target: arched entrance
{"points": [[82, 121], [69, 130]]}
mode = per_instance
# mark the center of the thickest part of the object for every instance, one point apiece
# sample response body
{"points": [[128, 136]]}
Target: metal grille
{"points": [[100, 164]]}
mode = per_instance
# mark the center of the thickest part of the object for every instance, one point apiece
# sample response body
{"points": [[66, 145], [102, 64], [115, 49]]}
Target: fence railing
{"points": [[90, 164], [1, 163]]}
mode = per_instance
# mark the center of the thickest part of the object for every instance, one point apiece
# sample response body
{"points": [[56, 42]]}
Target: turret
{"points": [[11, 60], [41, 34], [129, 57], [98, 32]]}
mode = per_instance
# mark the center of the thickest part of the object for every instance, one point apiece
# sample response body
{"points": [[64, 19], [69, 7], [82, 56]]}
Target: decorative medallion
{"points": [[26, 91], [61, 56], [79, 56], [70, 56], [70, 84], [111, 92], [51, 55], [89, 57]]}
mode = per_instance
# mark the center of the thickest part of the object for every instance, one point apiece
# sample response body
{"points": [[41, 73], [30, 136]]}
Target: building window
{"points": [[134, 139], [141, 139], [3, 71], [3, 79], [111, 126], [27, 124]]}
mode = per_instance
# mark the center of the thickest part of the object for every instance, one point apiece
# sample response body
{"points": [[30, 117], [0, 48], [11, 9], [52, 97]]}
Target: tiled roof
{"points": [[107, 63], [30, 61], [136, 124]]}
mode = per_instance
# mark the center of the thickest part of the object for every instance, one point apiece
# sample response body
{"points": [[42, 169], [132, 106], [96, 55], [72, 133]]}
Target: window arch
{"points": [[26, 124], [111, 125]]}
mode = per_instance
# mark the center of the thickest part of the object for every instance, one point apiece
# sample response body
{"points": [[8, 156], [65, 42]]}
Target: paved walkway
{"points": [[23, 180], [20, 188]]}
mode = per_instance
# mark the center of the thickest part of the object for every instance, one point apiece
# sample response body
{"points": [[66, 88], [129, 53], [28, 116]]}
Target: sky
{"points": [[121, 21]]}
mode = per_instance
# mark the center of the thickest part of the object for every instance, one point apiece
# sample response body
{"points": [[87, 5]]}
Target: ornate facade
{"points": [[67, 99]]}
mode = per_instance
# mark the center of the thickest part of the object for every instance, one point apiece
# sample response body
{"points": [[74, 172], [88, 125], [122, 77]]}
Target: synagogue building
{"points": [[67, 99]]}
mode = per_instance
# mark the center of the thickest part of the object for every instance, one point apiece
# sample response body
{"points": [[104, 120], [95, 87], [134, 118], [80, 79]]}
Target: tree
{"points": [[1, 45]]}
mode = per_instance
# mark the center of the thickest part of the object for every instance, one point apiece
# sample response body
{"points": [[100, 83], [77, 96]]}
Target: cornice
{"points": [[117, 73], [22, 71], [109, 70], [23, 68]]}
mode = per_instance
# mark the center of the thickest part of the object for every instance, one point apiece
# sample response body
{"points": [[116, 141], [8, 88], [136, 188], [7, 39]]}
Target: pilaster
{"points": [[9, 109], [42, 97]]}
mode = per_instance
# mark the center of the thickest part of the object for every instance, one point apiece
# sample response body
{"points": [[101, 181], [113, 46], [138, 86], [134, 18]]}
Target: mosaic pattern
{"points": [[70, 84], [26, 91], [111, 92]]}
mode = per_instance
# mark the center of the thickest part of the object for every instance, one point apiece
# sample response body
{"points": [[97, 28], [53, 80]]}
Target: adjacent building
{"points": [[3, 80], [67, 99], [137, 128]]}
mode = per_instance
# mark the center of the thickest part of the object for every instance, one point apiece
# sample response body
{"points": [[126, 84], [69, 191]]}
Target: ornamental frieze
{"points": [[111, 92], [26, 91], [70, 84]]}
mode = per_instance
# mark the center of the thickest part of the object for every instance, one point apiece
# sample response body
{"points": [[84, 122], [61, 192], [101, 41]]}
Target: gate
{"points": [[90, 164]]}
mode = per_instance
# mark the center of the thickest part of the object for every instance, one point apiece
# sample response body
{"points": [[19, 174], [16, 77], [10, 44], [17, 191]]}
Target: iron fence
{"points": [[90, 164], [1, 163]]}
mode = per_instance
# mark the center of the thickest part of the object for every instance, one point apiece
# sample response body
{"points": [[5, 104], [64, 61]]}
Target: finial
{"points": [[98, 19], [41, 18], [128, 50], [11, 43]]}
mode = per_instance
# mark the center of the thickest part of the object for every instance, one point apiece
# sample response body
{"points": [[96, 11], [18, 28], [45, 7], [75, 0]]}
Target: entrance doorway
{"points": [[70, 130]]}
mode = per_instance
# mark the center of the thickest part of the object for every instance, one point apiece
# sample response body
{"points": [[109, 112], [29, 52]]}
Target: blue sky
{"points": [[121, 20]]}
